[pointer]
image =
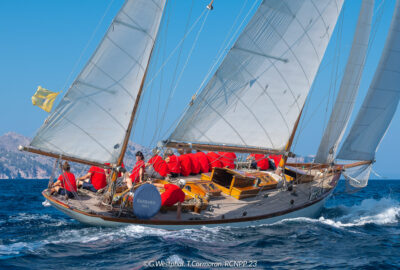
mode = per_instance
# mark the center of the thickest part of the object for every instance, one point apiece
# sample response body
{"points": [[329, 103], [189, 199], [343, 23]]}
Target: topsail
{"points": [[256, 95], [91, 121], [380, 103]]}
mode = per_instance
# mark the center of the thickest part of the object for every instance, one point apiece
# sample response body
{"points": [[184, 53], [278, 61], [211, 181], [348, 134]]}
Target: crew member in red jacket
{"points": [[173, 194], [156, 167], [195, 162], [65, 184], [95, 179], [202, 158], [173, 163], [186, 164], [277, 159], [137, 172], [259, 161]]}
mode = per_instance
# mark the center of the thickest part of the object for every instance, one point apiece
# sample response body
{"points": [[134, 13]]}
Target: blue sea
{"points": [[354, 231]]}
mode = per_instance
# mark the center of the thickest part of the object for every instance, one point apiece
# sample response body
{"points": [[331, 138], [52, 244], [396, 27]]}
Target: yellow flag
{"points": [[44, 98]]}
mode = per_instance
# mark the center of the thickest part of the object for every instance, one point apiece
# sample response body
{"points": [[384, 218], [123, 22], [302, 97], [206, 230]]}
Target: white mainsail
{"points": [[256, 95], [349, 86], [91, 121], [380, 103]]}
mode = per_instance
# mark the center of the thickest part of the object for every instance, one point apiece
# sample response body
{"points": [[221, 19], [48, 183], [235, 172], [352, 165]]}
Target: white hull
{"points": [[310, 211]]}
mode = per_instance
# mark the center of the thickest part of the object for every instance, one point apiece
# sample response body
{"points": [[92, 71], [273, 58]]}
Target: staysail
{"points": [[255, 96], [91, 121], [380, 103], [345, 100]]}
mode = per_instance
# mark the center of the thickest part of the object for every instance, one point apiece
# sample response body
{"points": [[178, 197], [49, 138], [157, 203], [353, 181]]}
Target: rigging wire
{"points": [[174, 50], [87, 45], [220, 53], [334, 72], [305, 122], [180, 76]]}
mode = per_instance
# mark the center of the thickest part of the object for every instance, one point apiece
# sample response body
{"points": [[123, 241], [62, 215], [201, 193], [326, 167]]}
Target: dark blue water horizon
{"points": [[354, 231]]}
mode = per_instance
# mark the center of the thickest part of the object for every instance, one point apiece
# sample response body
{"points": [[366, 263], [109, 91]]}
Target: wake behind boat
{"points": [[252, 104]]}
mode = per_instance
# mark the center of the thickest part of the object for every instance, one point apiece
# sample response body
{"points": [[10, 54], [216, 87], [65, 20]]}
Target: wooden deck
{"points": [[222, 207]]}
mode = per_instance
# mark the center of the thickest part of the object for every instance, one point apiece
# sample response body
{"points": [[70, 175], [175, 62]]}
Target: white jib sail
{"points": [[256, 95], [349, 86], [91, 120], [380, 103]]}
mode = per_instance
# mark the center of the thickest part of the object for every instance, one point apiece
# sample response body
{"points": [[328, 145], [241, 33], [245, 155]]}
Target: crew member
{"points": [[94, 180], [156, 166], [259, 161], [277, 159], [137, 172], [173, 194], [65, 184]]}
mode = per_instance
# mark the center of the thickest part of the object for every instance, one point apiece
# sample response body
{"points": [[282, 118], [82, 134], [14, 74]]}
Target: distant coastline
{"points": [[17, 165]]}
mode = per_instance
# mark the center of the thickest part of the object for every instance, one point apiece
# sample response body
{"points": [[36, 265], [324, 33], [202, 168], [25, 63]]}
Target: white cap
{"points": [[182, 182]]}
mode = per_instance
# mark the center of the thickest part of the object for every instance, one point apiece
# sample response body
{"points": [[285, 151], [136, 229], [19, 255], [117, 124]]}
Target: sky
{"points": [[47, 42]]}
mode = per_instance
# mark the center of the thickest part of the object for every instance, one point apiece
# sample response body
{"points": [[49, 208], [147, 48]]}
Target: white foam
{"points": [[16, 249], [48, 221], [175, 259], [381, 212]]}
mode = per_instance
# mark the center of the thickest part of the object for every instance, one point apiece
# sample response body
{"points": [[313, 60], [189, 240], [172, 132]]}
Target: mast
{"points": [[135, 107], [111, 188], [290, 142]]}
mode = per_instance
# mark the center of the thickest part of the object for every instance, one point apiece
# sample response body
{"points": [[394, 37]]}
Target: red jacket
{"points": [[174, 165], [195, 163], [204, 165], [186, 165], [262, 161], [159, 165]]}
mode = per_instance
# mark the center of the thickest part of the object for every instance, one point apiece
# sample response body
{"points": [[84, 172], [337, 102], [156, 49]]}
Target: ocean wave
{"points": [[19, 248], [385, 211], [45, 220]]}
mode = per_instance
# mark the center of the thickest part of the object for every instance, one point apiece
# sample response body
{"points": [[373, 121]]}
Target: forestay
{"points": [[255, 96], [92, 119], [345, 100], [380, 103]]}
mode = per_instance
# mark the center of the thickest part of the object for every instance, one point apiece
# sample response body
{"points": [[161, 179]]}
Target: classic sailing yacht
{"points": [[252, 104]]}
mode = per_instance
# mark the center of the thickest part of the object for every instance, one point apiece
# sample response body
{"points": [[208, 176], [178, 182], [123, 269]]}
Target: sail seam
{"points": [[226, 121], [103, 109], [115, 81], [127, 53], [261, 54], [134, 28], [244, 104]]}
